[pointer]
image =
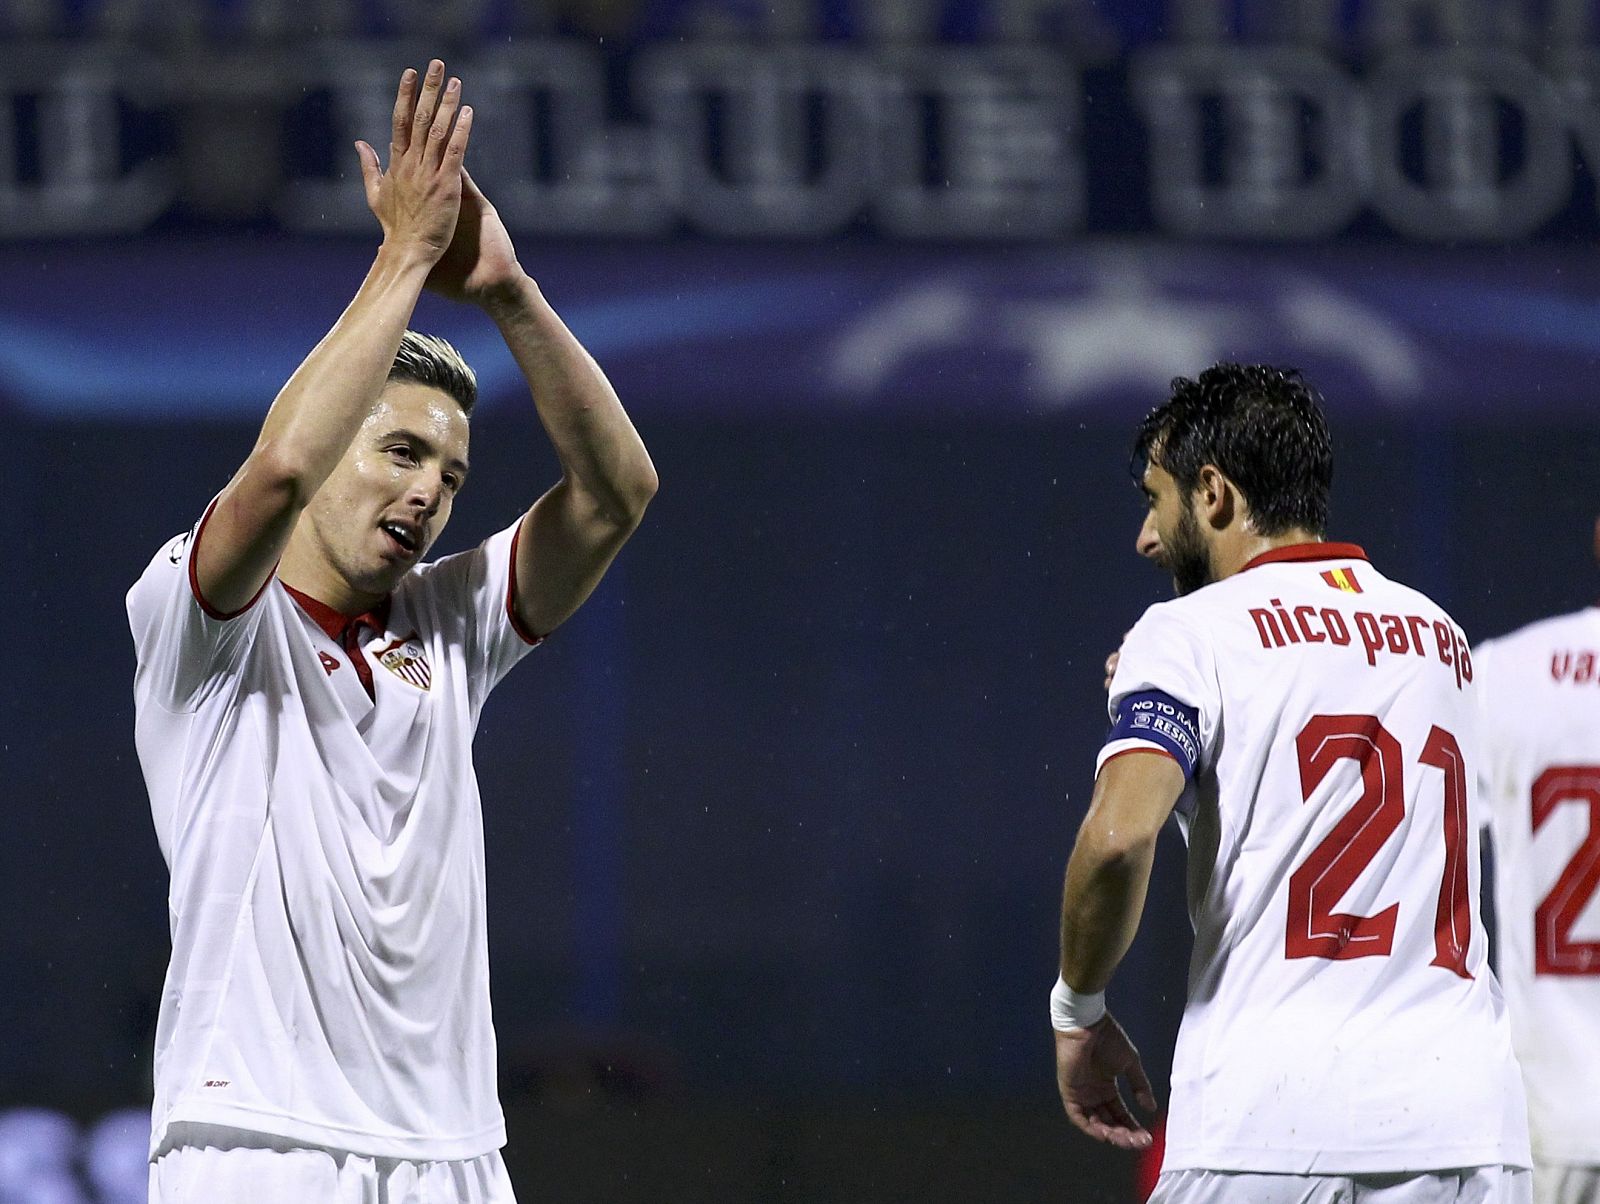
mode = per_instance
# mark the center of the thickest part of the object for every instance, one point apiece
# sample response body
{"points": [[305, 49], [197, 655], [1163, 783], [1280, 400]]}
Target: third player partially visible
{"points": [[1541, 777]]}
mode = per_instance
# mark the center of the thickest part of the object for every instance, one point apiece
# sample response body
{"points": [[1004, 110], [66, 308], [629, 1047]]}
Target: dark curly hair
{"points": [[1261, 426]]}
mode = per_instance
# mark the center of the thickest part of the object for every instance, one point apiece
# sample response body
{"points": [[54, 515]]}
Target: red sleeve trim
{"points": [[1143, 748], [194, 581], [528, 637]]}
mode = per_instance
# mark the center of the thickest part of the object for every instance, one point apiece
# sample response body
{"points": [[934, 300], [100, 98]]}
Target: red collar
{"points": [[1308, 551], [335, 623]]}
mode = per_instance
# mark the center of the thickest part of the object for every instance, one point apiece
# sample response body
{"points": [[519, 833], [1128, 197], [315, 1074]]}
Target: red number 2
{"points": [[1314, 929], [1554, 950]]}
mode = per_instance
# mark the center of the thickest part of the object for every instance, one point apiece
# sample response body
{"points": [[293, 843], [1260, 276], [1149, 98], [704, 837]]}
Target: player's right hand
{"points": [[1088, 1063], [418, 198]]}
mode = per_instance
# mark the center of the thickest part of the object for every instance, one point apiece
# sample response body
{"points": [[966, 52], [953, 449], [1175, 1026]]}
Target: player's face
{"points": [[381, 509], [1170, 534]]}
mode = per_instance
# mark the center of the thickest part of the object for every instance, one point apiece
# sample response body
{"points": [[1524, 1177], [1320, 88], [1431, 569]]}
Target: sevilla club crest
{"points": [[407, 659]]}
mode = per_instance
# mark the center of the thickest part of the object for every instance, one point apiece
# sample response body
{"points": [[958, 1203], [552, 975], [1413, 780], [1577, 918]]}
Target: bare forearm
{"points": [[319, 409], [599, 449], [1100, 909], [1109, 870]]}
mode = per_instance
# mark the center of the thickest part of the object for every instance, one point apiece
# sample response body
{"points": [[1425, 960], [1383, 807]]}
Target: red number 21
{"points": [[1314, 928]]}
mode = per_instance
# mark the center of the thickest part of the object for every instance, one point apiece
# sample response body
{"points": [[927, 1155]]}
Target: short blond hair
{"points": [[429, 360]]}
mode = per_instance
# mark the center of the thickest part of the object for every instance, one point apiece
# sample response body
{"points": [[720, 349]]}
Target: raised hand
{"points": [[480, 264], [417, 200]]}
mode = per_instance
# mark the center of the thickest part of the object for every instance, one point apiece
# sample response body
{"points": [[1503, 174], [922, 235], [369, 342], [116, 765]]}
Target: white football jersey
{"points": [[1341, 1015], [329, 980], [1540, 689]]}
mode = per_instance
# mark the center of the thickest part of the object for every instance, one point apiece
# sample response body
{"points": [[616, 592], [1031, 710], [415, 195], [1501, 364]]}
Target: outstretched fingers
{"points": [[440, 131], [427, 103], [455, 151], [425, 121], [405, 107]]}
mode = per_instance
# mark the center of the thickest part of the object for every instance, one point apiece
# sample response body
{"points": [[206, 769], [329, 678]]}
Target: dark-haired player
{"points": [[1314, 726], [307, 691], [1541, 778]]}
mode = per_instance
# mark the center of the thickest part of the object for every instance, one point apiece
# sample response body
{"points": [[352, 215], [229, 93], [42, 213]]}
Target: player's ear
{"points": [[1214, 497]]}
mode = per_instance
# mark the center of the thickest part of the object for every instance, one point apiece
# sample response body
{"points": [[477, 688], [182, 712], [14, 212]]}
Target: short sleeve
{"points": [[1164, 694], [183, 646], [477, 589]]}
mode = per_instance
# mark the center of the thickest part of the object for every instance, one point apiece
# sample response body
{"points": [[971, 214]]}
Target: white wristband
{"points": [[1069, 1009]]}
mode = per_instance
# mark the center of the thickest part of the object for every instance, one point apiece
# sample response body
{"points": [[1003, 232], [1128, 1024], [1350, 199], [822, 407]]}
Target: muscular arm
{"points": [[1109, 871], [318, 411], [571, 534], [1100, 906], [307, 430]]}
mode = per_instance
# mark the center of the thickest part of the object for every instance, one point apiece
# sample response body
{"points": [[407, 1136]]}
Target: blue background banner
{"points": [[88, 331]]}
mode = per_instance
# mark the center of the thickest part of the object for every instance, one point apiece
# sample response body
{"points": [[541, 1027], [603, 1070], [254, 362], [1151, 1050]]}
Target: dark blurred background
{"points": [[776, 824]]}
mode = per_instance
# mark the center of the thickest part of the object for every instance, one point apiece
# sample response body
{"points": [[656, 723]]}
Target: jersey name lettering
{"points": [[1279, 626], [1574, 668]]}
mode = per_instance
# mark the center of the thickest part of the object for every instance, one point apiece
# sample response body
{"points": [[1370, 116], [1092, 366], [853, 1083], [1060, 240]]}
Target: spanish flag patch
{"points": [[1343, 578]]}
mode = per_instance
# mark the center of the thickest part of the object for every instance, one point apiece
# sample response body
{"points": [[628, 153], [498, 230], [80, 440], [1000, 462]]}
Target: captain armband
{"points": [[1152, 719]]}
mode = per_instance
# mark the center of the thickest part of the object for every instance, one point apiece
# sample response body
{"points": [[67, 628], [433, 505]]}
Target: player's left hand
{"points": [[1111, 662], [1088, 1063], [480, 264]]}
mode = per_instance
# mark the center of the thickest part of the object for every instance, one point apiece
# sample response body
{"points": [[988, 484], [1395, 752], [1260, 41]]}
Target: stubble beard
{"points": [[344, 550], [1186, 556]]}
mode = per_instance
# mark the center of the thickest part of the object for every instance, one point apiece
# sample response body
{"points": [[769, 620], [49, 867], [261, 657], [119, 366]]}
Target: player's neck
{"points": [[306, 568], [1239, 545]]}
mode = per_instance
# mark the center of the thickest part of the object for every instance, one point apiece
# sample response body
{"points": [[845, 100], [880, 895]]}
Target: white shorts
{"points": [[233, 1166], [1469, 1185], [1562, 1183]]}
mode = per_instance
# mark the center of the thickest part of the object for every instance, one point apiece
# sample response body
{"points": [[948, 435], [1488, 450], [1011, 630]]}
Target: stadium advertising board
{"points": [[977, 121]]}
